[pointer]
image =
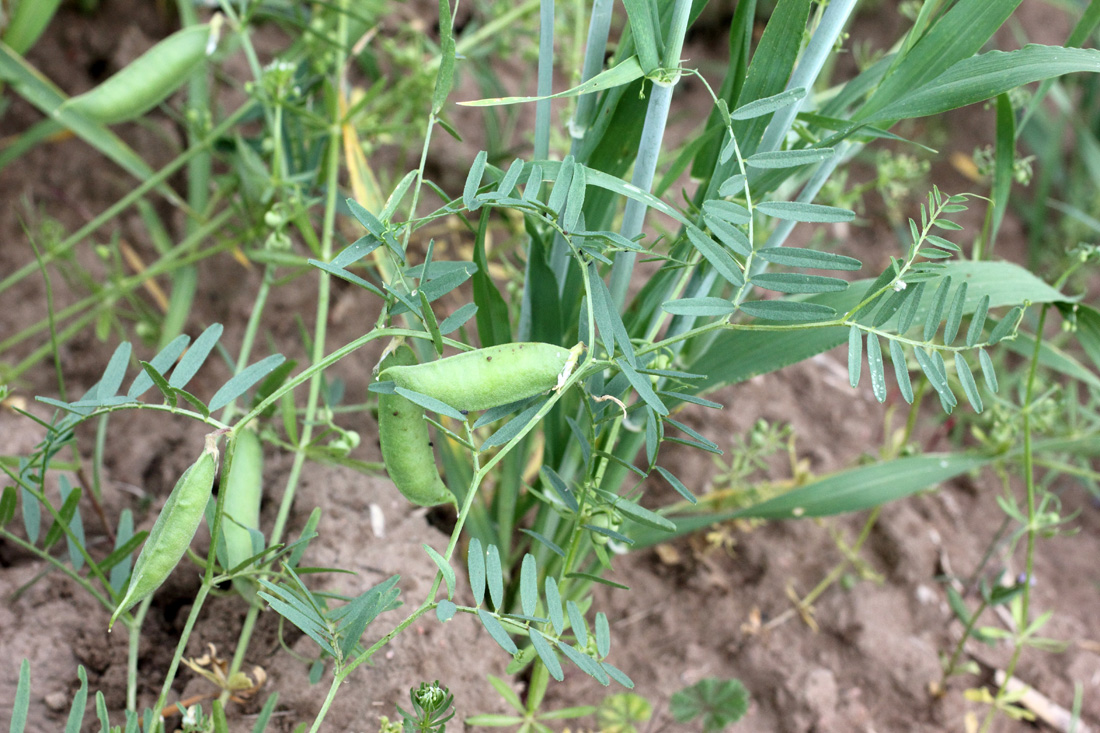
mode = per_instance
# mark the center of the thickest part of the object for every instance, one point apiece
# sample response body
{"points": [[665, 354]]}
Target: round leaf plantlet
{"points": [[484, 378]]}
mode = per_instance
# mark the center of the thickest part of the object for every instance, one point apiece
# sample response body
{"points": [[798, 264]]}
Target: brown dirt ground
{"points": [[694, 611]]}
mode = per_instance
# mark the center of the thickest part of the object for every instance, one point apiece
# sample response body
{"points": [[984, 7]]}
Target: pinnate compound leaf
{"points": [[622, 73], [810, 258], [473, 181], [968, 384], [767, 105], [546, 654], [890, 306], [111, 380], [729, 234], [977, 321], [553, 605], [788, 158], [699, 307], [562, 182], [574, 203], [430, 403], [311, 624], [161, 363], [908, 312], [248, 377], [733, 185], [7, 505], [788, 310], [987, 370], [445, 610], [855, 355], [21, 706], [603, 634], [643, 516], [494, 576], [475, 562], [719, 702], [935, 313], [618, 675], [874, 366], [936, 377], [576, 622], [1006, 326], [500, 636], [444, 567], [677, 484], [901, 371], [727, 211], [796, 282], [545, 541], [954, 315], [803, 212], [458, 319], [195, 356], [586, 663], [528, 585], [642, 386], [717, 256]]}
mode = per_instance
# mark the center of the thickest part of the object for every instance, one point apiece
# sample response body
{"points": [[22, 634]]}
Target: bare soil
{"points": [[713, 606]]}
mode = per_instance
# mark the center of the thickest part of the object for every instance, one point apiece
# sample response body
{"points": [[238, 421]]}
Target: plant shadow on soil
{"points": [[694, 610]]}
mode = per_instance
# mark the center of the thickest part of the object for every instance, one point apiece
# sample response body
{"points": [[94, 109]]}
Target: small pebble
{"points": [[57, 701]]}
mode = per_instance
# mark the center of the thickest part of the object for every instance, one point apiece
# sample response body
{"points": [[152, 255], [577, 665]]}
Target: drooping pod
{"points": [[484, 378], [244, 490], [149, 79], [406, 443], [174, 529]]}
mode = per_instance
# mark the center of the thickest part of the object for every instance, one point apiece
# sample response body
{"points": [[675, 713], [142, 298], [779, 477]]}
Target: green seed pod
{"points": [[174, 529], [148, 80], [244, 489], [28, 19], [406, 444], [478, 380], [605, 519]]}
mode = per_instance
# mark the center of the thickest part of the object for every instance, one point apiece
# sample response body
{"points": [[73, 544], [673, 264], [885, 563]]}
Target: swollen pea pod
{"points": [[174, 529], [497, 375], [406, 444], [244, 489], [27, 21], [150, 78]]}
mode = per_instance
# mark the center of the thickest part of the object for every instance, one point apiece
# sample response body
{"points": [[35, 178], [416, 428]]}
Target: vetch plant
{"points": [[552, 413]]}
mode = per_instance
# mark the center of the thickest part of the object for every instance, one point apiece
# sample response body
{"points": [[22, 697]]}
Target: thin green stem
{"points": [[134, 630], [328, 227], [181, 646], [131, 198], [1029, 479]]}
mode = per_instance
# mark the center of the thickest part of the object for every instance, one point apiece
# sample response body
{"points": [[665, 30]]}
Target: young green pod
{"points": [[478, 380], [406, 443], [243, 488], [174, 529], [27, 21], [149, 79]]}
